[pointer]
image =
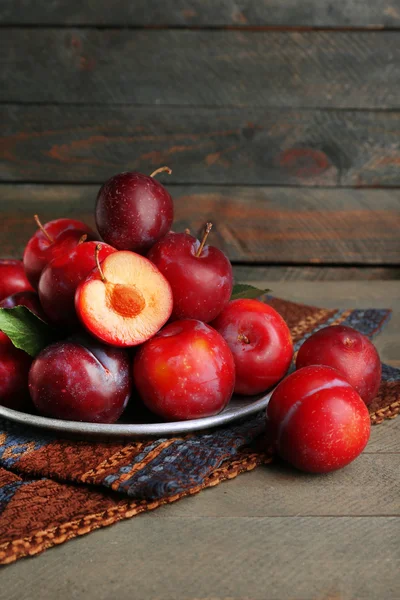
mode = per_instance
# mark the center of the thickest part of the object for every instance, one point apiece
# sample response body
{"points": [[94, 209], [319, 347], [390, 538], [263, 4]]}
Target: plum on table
{"points": [[348, 351], [317, 421]]}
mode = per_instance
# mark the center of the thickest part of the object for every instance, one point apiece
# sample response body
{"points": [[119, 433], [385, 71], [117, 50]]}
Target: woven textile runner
{"points": [[52, 490]]}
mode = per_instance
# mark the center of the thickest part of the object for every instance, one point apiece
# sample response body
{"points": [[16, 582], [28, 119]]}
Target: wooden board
{"points": [[353, 294], [209, 13], [315, 273], [251, 224], [201, 145], [219, 558], [385, 440], [196, 68], [346, 294], [278, 490]]}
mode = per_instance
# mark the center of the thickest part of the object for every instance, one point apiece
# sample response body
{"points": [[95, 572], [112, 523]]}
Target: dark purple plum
{"points": [[133, 211], [14, 369], [15, 363], [28, 299], [12, 277], [81, 379]]}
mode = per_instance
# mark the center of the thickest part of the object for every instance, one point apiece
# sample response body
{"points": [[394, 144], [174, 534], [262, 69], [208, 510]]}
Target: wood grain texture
{"points": [[267, 225], [279, 490], [274, 558], [201, 145], [346, 294], [215, 68], [351, 294], [209, 13], [314, 273], [386, 440]]}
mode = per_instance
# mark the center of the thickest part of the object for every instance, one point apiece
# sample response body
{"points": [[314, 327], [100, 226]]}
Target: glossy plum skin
{"points": [[62, 276], [12, 278], [133, 211], [81, 380], [28, 299], [348, 351], [260, 342], [201, 286], [317, 421], [14, 369], [39, 251], [185, 372]]}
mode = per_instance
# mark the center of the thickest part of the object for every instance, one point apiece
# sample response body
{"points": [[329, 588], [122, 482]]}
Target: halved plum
{"points": [[125, 301]]}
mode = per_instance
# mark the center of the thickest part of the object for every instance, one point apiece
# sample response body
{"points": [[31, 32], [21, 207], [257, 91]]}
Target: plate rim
{"points": [[135, 429]]}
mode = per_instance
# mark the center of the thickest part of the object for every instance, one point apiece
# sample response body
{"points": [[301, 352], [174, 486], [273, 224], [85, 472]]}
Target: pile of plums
{"points": [[145, 313]]}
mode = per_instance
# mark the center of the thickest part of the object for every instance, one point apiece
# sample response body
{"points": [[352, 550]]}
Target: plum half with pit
{"points": [[125, 300], [80, 379]]}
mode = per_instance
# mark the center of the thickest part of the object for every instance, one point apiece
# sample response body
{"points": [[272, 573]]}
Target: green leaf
{"points": [[242, 290], [26, 331]]}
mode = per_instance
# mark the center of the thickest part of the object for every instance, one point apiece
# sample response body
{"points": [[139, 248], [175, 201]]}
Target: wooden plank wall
{"points": [[279, 118]]}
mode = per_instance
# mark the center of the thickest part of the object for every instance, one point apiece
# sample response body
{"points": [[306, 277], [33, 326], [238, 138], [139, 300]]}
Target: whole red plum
{"points": [[61, 277], [260, 342], [200, 276], [185, 372], [50, 240], [348, 351], [317, 421], [12, 278]]}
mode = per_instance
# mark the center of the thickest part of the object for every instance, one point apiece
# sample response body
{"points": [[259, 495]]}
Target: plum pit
{"points": [[126, 300]]}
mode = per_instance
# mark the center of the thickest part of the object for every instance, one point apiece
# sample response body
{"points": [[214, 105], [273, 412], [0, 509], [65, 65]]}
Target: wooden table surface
{"points": [[272, 534]]}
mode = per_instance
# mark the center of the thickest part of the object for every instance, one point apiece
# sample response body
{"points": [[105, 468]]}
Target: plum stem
{"points": [[161, 170], [187, 231], [82, 239], [203, 241], [243, 338], [42, 229], [96, 254]]}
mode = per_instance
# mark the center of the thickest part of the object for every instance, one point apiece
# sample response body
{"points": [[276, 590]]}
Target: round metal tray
{"points": [[238, 408]]}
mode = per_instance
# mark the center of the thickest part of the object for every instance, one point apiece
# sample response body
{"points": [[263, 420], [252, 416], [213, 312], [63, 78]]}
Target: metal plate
{"points": [[238, 407]]}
